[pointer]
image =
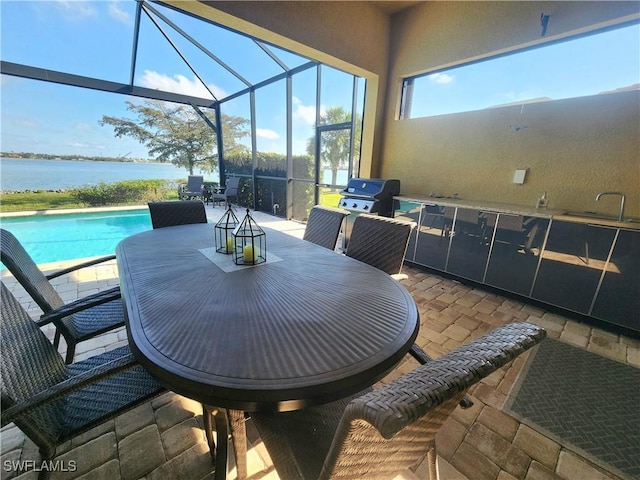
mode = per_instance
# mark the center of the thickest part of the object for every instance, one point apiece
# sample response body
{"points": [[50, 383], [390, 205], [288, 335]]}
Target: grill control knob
{"points": [[355, 205], [344, 204], [366, 207]]}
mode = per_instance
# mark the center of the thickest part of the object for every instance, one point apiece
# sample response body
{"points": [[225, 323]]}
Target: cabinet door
{"points": [[410, 211], [618, 300], [432, 241], [516, 252], [469, 245], [572, 263]]}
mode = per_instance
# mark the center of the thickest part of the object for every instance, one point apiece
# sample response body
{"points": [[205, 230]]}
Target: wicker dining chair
{"points": [[380, 242], [84, 318], [323, 226], [52, 402], [182, 212], [388, 429]]}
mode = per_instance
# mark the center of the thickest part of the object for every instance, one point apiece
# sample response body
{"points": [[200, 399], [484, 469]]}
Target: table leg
{"points": [[239, 438], [218, 453]]}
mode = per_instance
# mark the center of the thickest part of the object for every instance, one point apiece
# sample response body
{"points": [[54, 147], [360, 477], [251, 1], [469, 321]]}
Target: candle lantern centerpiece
{"points": [[250, 242], [223, 232]]}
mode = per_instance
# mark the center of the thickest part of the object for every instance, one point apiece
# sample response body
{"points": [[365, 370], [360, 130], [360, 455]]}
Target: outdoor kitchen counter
{"points": [[514, 209], [583, 262]]}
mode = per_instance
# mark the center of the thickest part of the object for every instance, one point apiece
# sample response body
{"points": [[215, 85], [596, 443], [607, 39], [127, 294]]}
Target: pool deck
{"points": [[163, 439]]}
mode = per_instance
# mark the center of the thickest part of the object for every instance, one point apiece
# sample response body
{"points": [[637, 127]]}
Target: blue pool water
{"points": [[52, 238]]}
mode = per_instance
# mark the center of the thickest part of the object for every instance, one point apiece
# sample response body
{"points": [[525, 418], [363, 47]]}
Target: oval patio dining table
{"points": [[306, 327]]}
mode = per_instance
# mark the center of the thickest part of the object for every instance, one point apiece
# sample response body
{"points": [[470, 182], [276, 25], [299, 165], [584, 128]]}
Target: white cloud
{"points": [[266, 133], [179, 84], [83, 126], [441, 78], [26, 123], [75, 10], [118, 13], [303, 112]]}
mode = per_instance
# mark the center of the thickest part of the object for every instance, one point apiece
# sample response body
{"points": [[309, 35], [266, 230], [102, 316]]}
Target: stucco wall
{"points": [[573, 148]]}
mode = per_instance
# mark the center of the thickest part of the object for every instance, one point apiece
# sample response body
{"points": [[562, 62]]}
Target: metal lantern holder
{"points": [[250, 242], [224, 232]]}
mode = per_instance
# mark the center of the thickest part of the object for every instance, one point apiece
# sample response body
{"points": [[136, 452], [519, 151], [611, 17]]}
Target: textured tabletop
{"points": [[312, 327]]}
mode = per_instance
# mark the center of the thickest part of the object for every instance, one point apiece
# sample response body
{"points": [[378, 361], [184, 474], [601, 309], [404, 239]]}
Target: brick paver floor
{"points": [[163, 439]]}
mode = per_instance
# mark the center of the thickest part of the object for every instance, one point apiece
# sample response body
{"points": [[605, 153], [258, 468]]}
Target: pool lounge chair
{"points": [[193, 188], [230, 190], [77, 321]]}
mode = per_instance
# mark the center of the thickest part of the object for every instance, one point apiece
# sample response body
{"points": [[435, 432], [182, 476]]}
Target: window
{"points": [[604, 62]]}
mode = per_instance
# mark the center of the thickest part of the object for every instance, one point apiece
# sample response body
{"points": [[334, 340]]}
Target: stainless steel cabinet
{"points": [[471, 232], [515, 252], [618, 298], [432, 242], [573, 260]]}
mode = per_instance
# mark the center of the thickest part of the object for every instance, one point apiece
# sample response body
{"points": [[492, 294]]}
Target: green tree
{"points": [[334, 149], [177, 134]]}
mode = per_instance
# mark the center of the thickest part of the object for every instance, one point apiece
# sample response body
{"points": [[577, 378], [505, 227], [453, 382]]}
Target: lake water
{"points": [[18, 174]]}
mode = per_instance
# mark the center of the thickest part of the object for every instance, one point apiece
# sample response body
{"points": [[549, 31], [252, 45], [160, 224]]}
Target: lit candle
{"points": [[229, 244], [249, 254]]}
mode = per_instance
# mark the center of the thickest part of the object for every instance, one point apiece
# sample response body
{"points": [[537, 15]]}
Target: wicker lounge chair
{"points": [[389, 429], [193, 189], [52, 402], [230, 190], [324, 226], [84, 318], [184, 212]]}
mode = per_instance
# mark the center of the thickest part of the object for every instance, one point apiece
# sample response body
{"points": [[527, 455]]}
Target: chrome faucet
{"points": [[601, 194]]}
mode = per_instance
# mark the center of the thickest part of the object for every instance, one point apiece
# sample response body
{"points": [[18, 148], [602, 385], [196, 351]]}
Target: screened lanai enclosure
{"points": [[290, 127]]}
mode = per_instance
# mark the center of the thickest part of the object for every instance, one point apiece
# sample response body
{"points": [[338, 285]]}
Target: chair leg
{"points": [[431, 459], [238, 432], [71, 351], [218, 452]]}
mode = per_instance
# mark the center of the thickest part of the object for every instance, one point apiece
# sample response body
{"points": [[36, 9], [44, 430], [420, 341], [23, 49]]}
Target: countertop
{"points": [[514, 209]]}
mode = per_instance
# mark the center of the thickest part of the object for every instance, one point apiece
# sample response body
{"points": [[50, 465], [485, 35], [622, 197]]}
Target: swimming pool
{"points": [[56, 237]]}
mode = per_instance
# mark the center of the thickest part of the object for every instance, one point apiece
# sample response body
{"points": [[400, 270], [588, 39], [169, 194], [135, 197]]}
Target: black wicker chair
{"points": [[52, 402], [182, 212], [389, 429], [323, 226], [380, 242], [83, 319]]}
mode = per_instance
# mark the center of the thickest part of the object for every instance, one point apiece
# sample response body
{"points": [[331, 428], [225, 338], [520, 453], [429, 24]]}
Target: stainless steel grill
{"points": [[367, 195]]}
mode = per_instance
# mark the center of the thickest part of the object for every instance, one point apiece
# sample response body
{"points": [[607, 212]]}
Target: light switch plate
{"points": [[518, 177]]}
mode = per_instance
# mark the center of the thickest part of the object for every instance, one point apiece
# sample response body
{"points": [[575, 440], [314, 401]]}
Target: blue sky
{"points": [[584, 66], [95, 39]]}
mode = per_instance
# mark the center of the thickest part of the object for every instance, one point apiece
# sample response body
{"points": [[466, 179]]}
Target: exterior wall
{"points": [[324, 31], [573, 148]]}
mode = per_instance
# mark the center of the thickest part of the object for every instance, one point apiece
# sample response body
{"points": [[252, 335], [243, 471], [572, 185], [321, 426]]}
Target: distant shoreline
{"points": [[73, 158]]}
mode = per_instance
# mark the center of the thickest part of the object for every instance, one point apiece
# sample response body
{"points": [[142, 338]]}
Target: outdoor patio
{"points": [[164, 438]]}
